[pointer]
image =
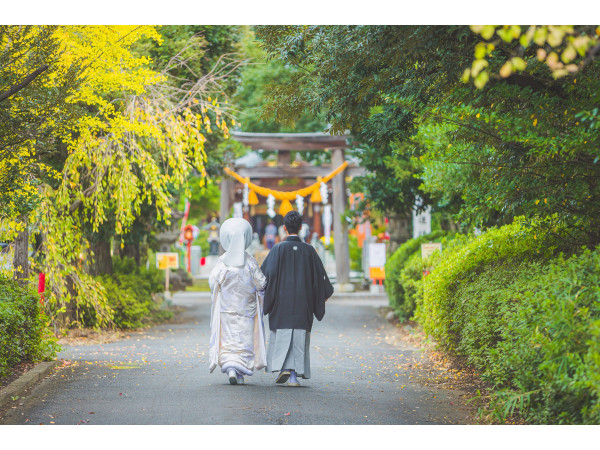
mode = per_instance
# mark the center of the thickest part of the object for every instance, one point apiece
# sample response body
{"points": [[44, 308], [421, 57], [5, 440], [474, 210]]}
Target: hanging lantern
{"points": [[300, 203], [285, 207], [271, 206], [252, 198]]}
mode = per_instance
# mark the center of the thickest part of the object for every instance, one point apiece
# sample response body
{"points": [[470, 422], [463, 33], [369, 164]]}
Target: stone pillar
{"points": [[340, 228]]}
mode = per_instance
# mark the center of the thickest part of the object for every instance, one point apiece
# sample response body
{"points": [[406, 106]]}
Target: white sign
{"points": [[376, 255], [421, 223], [428, 249]]}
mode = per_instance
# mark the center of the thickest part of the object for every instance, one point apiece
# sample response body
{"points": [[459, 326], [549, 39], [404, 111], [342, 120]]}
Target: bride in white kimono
{"points": [[237, 337]]}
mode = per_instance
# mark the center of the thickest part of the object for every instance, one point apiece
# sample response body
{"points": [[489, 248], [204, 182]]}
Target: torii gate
{"points": [[283, 144]]}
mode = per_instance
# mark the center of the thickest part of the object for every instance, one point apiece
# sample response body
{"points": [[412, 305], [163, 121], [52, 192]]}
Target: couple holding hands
{"points": [[291, 287]]}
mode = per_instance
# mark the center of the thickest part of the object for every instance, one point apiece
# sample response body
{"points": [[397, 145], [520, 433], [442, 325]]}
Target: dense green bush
{"points": [[441, 312], [24, 335], [402, 272], [527, 319], [129, 290]]}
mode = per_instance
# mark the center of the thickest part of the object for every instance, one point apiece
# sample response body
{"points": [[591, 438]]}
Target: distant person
{"points": [[297, 288], [270, 235], [237, 336], [213, 236], [254, 245]]}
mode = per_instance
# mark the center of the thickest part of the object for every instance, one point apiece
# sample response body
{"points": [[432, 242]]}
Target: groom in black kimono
{"points": [[297, 288]]}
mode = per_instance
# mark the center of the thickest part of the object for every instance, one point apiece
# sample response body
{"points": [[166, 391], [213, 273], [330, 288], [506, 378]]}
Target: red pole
{"points": [[189, 256]]}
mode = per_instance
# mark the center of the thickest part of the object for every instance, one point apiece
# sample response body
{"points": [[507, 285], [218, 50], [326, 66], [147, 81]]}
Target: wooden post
{"points": [[340, 228], [317, 219], [226, 194]]}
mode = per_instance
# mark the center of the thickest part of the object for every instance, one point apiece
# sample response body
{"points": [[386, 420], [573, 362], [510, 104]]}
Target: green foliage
{"points": [[256, 79], [439, 312], [24, 333], [526, 319], [547, 360], [539, 158], [574, 46], [353, 74], [403, 270], [355, 253], [202, 241], [129, 291], [525, 144]]}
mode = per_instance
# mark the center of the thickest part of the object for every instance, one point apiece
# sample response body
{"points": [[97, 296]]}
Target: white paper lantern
{"points": [[271, 206], [300, 204]]}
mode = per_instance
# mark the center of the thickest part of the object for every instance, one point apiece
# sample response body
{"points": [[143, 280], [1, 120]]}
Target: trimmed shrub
{"points": [[24, 334], [130, 292], [527, 319], [546, 364], [440, 312], [394, 281]]}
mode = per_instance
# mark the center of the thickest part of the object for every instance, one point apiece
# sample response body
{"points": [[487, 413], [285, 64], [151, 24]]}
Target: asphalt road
{"points": [[360, 375]]}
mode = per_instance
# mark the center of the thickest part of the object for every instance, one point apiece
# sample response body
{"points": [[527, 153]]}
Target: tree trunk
{"points": [[68, 316], [21, 255], [399, 230], [102, 258], [132, 251]]}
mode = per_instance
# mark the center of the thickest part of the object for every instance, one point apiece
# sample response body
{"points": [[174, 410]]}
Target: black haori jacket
{"points": [[297, 285]]}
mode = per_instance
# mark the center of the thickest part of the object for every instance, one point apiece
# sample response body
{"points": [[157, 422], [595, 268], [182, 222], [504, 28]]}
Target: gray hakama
{"points": [[289, 349]]}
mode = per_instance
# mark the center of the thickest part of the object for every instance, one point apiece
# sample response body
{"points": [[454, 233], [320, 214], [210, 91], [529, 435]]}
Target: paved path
{"points": [[160, 376]]}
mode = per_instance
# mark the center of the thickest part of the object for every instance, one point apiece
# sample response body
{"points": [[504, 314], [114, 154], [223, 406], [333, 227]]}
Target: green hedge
{"points": [[546, 363], [526, 316], [403, 271], [441, 312], [24, 335], [129, 290]]}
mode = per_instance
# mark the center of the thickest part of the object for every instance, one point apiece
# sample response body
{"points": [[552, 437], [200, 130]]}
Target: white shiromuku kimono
{"points": [[237, 339]]}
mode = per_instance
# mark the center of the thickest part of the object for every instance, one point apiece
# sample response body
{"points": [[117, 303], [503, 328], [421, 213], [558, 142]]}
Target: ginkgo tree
{"points": [[135, 137]]}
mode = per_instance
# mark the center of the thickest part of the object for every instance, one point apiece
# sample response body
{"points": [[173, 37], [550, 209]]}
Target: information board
{"points": [[167, 260], [428, 249]]}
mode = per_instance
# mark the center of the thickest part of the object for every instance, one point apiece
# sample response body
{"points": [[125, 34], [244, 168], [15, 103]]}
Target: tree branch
{"points": [[17, 87]]}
